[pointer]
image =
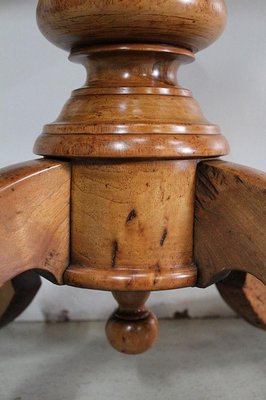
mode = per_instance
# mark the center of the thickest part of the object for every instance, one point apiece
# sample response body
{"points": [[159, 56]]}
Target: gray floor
{"points": [[193, 359]]}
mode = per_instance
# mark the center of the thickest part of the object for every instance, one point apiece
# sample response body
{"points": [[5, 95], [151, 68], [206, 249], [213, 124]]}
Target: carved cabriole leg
{"points": [[230, 234], [133, 137]]}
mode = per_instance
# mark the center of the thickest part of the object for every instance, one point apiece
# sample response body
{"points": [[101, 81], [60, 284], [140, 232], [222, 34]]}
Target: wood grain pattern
{"points": [[34, 219], [192, 24], [134, 138], [131, 106], [131, 146], [132, 329], [230, 221], [246, 295], [132, 225]]}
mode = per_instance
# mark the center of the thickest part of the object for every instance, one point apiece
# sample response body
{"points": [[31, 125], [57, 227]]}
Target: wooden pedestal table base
{"points": [[117, 214]]}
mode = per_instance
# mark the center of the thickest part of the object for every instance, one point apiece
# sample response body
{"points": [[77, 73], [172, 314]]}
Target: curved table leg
{"points": [[34, 230], [16, 295], [246, 295], [230, 235]]}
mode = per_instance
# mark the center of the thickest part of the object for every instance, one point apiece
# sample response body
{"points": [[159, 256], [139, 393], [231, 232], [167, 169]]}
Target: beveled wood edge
{"points": [[29, 183], [129, 130], [132, 146], [130, 280], [126, 90], [186, 55]]}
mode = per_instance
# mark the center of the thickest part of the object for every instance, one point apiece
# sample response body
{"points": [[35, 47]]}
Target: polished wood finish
{"points": [[132, 225], [131, 107], [131, 146], [118, 214], [246, 295], [132, 329], [16, 295], [133, 136], [192, 24], [230, 220], [34, 219], [132, 209]]}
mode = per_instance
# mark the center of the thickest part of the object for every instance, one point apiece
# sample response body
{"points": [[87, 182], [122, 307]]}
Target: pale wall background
{"points": [[228, 79]]}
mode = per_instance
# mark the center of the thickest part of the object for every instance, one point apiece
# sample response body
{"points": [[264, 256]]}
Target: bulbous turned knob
{"points": [[191, 24], [132, 329]]}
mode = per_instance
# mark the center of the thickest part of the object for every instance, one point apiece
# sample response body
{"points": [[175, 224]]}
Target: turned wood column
{"points": [[133, 137]]}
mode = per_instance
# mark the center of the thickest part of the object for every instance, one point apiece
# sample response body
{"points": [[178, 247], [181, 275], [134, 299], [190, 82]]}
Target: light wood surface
{"points": [[192, 24], [230, 220], [131, 146], [133, 137], [131, 107], [132, 329], [230, 234], [246, 295], [132, 224], [34, 219], [131, 104]]}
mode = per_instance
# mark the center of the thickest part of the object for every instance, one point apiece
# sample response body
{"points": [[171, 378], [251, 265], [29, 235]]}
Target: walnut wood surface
{"points": [[16, 295], [132, 225], [34, 219], [230, 221], [246, 295], [192, 24]]}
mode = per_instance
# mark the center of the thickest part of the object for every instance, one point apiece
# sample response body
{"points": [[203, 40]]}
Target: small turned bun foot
{"points": [[132, 329]]}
